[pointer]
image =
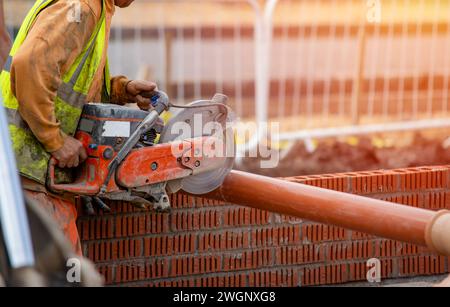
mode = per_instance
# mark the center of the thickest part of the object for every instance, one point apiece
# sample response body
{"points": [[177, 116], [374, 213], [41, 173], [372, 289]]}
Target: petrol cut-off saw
{"points": [[134, 156]]}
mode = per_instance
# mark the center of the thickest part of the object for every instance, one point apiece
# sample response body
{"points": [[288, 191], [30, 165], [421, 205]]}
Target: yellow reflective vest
{"points": [[32, 159]]}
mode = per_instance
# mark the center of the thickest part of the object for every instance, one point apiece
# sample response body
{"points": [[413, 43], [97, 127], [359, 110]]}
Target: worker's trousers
{"points": [[64, 212]]}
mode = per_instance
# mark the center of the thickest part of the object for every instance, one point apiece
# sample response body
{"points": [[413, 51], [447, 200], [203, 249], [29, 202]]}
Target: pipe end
{"points": [[437, 233]]}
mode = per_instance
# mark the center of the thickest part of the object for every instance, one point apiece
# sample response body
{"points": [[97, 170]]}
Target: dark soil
{"points": [[336, 157]]}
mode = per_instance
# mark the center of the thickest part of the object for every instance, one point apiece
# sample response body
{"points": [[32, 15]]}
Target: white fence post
{"points": [[263, 24]]}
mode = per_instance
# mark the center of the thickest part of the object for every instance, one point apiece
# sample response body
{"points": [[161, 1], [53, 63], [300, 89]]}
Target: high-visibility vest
{"points": [[32, 159]]}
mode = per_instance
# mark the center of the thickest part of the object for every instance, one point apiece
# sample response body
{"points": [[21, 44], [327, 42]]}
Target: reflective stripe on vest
{"points": [[66, 91], [32, 159], [15, 119]]}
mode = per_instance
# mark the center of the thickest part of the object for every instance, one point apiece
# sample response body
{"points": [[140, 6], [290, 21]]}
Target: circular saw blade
{"points": [[209, 181]]}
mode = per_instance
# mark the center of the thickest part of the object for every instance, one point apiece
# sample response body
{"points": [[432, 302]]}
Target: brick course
{"points": [[202, 242]]}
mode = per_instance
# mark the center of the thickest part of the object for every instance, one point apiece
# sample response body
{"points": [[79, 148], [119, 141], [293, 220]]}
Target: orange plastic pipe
{"points": [[381, 218]]}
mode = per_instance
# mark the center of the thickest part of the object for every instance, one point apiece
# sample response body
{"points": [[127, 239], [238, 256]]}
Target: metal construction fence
{"points": [[319, 67]]}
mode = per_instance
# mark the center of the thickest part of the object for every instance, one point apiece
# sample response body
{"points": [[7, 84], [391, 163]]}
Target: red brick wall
{"points": [[207, 243]]}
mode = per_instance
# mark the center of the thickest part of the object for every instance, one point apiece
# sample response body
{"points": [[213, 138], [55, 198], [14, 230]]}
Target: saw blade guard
{"points": [[203, 118]]}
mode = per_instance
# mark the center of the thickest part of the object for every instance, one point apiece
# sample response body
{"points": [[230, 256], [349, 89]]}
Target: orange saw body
{"points": [[126, 162]]}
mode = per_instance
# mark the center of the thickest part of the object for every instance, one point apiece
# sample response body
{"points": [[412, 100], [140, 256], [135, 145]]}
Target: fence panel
{"points": [[193, 49], [319, 67], [359, 65]]}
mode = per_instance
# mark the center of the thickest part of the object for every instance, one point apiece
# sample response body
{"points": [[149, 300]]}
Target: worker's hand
{"points": [[71, 154], [138, 90]]}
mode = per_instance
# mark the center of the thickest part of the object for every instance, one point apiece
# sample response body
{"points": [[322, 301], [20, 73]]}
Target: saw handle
{"points": [[51, 184], [71, 188], [158, 99]]}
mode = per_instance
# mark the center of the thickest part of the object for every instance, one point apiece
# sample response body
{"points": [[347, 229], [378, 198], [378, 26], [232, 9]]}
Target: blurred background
{"points": [[354, 84]]}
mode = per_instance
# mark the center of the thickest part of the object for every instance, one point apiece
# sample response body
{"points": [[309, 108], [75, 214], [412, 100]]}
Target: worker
{"points": [[58, 62], [5, 42]]}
